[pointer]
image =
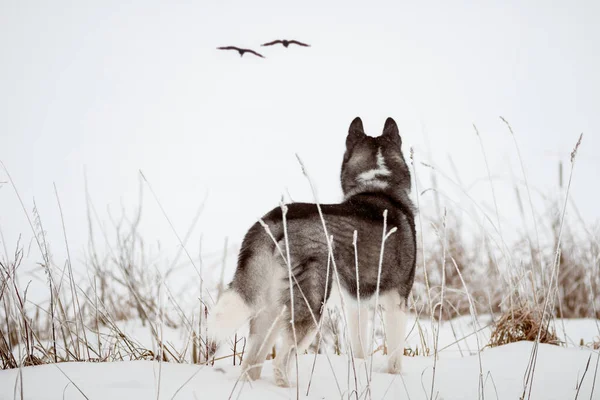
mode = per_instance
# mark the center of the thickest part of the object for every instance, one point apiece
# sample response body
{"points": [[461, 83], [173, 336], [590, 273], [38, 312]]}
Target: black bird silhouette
{"points": [[286, 43], [241, 51]]}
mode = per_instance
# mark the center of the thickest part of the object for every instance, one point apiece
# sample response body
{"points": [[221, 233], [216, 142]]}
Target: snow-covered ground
{"points": [[557, 376], [559, 373]]}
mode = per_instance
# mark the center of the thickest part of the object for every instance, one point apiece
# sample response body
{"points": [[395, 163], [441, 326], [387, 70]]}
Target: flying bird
{"points": [[286, 43], [241, 51]]}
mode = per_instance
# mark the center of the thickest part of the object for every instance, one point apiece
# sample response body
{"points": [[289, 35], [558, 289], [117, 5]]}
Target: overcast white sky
{"points": [[115, 87]]}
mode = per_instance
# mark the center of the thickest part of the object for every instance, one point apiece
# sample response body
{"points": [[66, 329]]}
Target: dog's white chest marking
{"points": [[371, 175]]}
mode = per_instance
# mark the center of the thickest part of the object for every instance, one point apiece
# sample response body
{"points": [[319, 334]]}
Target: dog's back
{"points": [[375, 179]]}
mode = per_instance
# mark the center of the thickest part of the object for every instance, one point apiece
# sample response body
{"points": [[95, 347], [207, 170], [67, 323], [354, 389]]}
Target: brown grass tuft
{"points": [[521, 324]]}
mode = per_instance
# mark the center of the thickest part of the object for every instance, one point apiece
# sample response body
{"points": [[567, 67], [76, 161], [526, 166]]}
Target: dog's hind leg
{"points": [[305, 334], [394, 318], [308, 298], [264, 328]]}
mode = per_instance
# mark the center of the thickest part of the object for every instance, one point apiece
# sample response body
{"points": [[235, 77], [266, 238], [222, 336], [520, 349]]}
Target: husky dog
{"points": [[374, 178]]}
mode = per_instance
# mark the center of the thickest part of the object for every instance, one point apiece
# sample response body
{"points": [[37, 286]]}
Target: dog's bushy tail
{"points": [[230, 312], [251, 288]]}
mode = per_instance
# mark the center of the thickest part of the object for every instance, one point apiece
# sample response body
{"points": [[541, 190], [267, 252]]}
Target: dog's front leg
{"points": [[358, 323], [394, 318]]}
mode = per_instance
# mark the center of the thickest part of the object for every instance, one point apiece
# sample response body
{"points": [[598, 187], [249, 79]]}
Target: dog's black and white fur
{"points": [[374, 178]]}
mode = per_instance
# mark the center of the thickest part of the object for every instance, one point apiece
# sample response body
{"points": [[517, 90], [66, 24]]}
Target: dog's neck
{"points": [[398, 197]]}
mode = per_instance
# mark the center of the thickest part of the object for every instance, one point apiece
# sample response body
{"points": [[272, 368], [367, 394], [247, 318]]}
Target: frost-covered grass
{"points": [[125, 323], [144, 319]]}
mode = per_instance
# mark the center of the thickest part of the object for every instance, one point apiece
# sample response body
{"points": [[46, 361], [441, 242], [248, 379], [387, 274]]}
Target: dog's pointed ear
{"points": [[391, 133], [355, 133]]}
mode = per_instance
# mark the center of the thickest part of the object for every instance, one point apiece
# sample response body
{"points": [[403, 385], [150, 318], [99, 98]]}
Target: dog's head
{"points": [[374, 164]]}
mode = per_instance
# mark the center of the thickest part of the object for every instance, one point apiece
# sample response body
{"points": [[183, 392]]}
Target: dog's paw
{"points": [[281, 379], [251, 374], [394, 365], [282, 382]]}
